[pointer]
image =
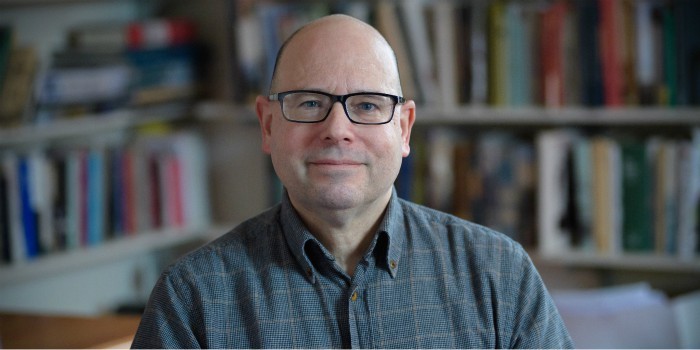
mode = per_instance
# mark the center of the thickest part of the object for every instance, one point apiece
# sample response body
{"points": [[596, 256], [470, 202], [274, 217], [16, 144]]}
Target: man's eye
{"points": [[310, 104], [366, 106]]}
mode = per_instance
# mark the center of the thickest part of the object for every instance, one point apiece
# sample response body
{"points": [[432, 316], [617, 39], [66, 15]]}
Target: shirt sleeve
{"points": [[169, 319], [537, 323]]}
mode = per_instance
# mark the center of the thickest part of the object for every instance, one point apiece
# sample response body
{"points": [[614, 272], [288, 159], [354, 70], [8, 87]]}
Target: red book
{"points": [[611, 58], [159, 33], [175, 205], [129, 207], [551, 50]]}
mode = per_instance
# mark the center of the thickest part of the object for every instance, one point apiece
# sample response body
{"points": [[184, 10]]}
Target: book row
{"points": [[564, 190], [70, 197], [508, 53], [487, 178], [613, 195]]}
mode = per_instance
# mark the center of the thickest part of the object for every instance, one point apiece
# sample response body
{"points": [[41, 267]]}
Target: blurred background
{"points": [[128, 138]]}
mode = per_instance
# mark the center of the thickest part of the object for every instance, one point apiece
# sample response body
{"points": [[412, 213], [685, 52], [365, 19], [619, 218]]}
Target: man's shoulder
{"points": [[234, 249], [445, 226]]}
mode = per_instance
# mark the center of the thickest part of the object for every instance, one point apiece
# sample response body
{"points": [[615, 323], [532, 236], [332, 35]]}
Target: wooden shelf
{"points": [[24, 3], [569, 116], [643, 262], [525, 116], [117, 249], [91, 124], [33, 331]]}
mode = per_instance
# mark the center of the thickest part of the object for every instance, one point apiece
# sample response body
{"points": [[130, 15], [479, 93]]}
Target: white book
{"points": [[192, 157], [43, 190], [73, 194], [440, 177], [688, 174], [446, 53], [388, 24], [553, 147], [413, 12]]}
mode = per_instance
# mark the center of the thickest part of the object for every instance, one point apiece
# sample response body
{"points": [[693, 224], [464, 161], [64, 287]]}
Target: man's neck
{"points": [[347, 234]]}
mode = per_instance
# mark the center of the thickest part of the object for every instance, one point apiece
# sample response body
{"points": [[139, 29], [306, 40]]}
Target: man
{"points": [[342, 262]]}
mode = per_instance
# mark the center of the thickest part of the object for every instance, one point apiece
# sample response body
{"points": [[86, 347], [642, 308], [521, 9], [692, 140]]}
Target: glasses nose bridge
{"points": [[340, 99]]}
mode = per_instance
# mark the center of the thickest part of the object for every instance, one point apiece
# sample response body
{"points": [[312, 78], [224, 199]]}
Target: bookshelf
{"points": [[56, 131], [225, 116], [90, 124], [116, 250], [539, 85]]}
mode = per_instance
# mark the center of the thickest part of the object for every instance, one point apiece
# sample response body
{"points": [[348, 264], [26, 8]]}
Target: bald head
{"points": [[333, 47]]}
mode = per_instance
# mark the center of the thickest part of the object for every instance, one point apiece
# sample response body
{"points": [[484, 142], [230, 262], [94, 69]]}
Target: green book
{"points": [[637, 226]]}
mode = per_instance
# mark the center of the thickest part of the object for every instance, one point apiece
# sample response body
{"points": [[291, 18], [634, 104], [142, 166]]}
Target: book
{"points": [[163, 74], [85, 85], [16, 93], [446, 53], [611, 42], [97, 198], [688, 46], [479, 83], [17, 246], [464, 184], [463, 47], [551, 54], [439, 176], [637, 233], [670, 57], [5, 257], [42, 184], [6, 43], [646, 72], [412, 14], [149, 33], [583, 188], [553, 147], [497, 41], [388, 24], [28, 213], [607, 200], [666, 200], [591, 72], [519, 23], [688, 187]]}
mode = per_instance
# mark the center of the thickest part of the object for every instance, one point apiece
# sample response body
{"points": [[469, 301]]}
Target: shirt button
{"points": [[393, 264], [353, 297]]}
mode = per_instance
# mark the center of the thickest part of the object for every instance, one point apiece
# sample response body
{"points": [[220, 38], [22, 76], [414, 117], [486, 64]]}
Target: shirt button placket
{"points": [[352, 310]]}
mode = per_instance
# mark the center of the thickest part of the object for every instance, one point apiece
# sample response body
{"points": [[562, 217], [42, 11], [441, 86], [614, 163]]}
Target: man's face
{"points": [[335, 164]]}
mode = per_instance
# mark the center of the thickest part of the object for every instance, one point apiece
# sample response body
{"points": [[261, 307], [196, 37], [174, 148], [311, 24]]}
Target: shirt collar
{"points": [[391, 230]]}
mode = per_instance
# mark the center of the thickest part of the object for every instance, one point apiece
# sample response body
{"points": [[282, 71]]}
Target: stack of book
{"points": [[102, 67]]}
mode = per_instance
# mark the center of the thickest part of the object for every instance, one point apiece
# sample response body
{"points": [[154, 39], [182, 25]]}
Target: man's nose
{"points": [[337, 126]]}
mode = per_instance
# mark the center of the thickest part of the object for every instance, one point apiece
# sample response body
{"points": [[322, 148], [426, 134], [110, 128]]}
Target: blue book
{"points": [[404, 182], [96, 198], [29, 215], [117, 194]]}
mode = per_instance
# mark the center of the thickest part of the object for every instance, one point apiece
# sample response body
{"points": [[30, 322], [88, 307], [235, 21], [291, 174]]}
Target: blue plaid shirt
{"points": [[429, 280]]}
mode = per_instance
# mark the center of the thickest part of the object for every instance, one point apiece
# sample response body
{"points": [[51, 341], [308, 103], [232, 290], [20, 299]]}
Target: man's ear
{"points": [[408, 117], [264, 111]]}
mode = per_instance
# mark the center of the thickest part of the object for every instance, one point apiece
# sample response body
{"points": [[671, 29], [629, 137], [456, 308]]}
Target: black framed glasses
{"points": [[308, 106]]}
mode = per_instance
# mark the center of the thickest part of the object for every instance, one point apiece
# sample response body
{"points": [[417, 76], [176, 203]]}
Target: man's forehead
{"points": [[337, 52]]}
